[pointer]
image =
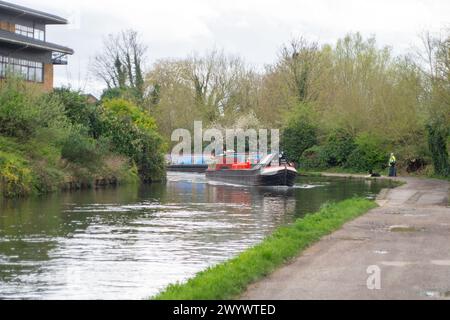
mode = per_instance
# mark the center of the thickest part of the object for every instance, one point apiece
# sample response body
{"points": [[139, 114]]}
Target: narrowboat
{"points": [[272, 170]]}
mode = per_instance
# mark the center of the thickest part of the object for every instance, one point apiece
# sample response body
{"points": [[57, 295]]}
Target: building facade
{"points": [[24, 49]]}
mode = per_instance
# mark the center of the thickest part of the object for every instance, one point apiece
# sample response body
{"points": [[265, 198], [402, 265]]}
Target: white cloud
{"points": [[254, 29]]}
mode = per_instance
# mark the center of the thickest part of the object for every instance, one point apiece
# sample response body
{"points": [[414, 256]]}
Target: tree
{"points": [[437, 73], [121, 63], [173, 103], [214, 88], [292, 80], [217, 79], [299, 59], [437, 134]]}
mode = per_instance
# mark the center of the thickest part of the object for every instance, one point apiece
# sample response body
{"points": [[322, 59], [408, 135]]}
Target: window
{"points": [[28, 70], [39, 34], [30, 32], [25, 31]]}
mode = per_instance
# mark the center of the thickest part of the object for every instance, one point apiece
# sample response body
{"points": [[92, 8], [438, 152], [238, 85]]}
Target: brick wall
{"points": [[48, 77], [8, 26]]}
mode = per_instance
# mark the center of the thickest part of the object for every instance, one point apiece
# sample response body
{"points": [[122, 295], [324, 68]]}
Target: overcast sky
{"points": [[254, 29]]}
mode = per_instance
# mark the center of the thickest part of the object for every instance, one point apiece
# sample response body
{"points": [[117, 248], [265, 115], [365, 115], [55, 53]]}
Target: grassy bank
{"points": [[61, 141], [36, 168], [228, 280]]}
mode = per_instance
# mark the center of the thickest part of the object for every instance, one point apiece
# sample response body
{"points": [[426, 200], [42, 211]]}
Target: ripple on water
{"points": [[308, 186]]}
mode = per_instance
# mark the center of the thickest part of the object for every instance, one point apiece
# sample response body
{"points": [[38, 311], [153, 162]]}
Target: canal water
{"points": [[131, 242]]}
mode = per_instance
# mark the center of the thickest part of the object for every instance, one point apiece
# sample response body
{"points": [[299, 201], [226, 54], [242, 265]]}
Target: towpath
{"points": [[400, 250]]}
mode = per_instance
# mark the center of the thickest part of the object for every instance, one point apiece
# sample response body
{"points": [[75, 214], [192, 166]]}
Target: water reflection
{"points": [[128, 243]]}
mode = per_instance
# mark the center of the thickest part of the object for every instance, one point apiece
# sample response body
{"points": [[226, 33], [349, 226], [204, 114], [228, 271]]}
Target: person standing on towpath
{"points": [[392, 166]]}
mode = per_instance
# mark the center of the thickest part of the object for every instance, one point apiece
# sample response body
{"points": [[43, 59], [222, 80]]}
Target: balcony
{"points": [[59, 58]]}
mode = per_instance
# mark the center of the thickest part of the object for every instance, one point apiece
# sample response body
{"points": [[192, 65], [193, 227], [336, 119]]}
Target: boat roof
{"points": [[268, 159]]}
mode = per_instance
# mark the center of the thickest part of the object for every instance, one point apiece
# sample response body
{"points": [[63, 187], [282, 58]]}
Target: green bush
{"points": [[16, 178], [24, 111], [133, 134], [338, 148], [437, 134], [314, 158], [113, 93], [335, 152], [79, 111], [17, 117], [79, 148], [300, 134], [369, 154]]}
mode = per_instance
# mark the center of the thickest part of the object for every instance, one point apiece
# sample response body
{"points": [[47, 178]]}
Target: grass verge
{"points": [[230, 279]]}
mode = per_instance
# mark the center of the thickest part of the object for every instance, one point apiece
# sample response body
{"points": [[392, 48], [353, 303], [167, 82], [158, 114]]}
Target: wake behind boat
{"points": [[270, 171]]}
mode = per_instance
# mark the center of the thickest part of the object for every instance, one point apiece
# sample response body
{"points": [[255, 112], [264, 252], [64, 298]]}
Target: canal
{"points": [[131, 242]]}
